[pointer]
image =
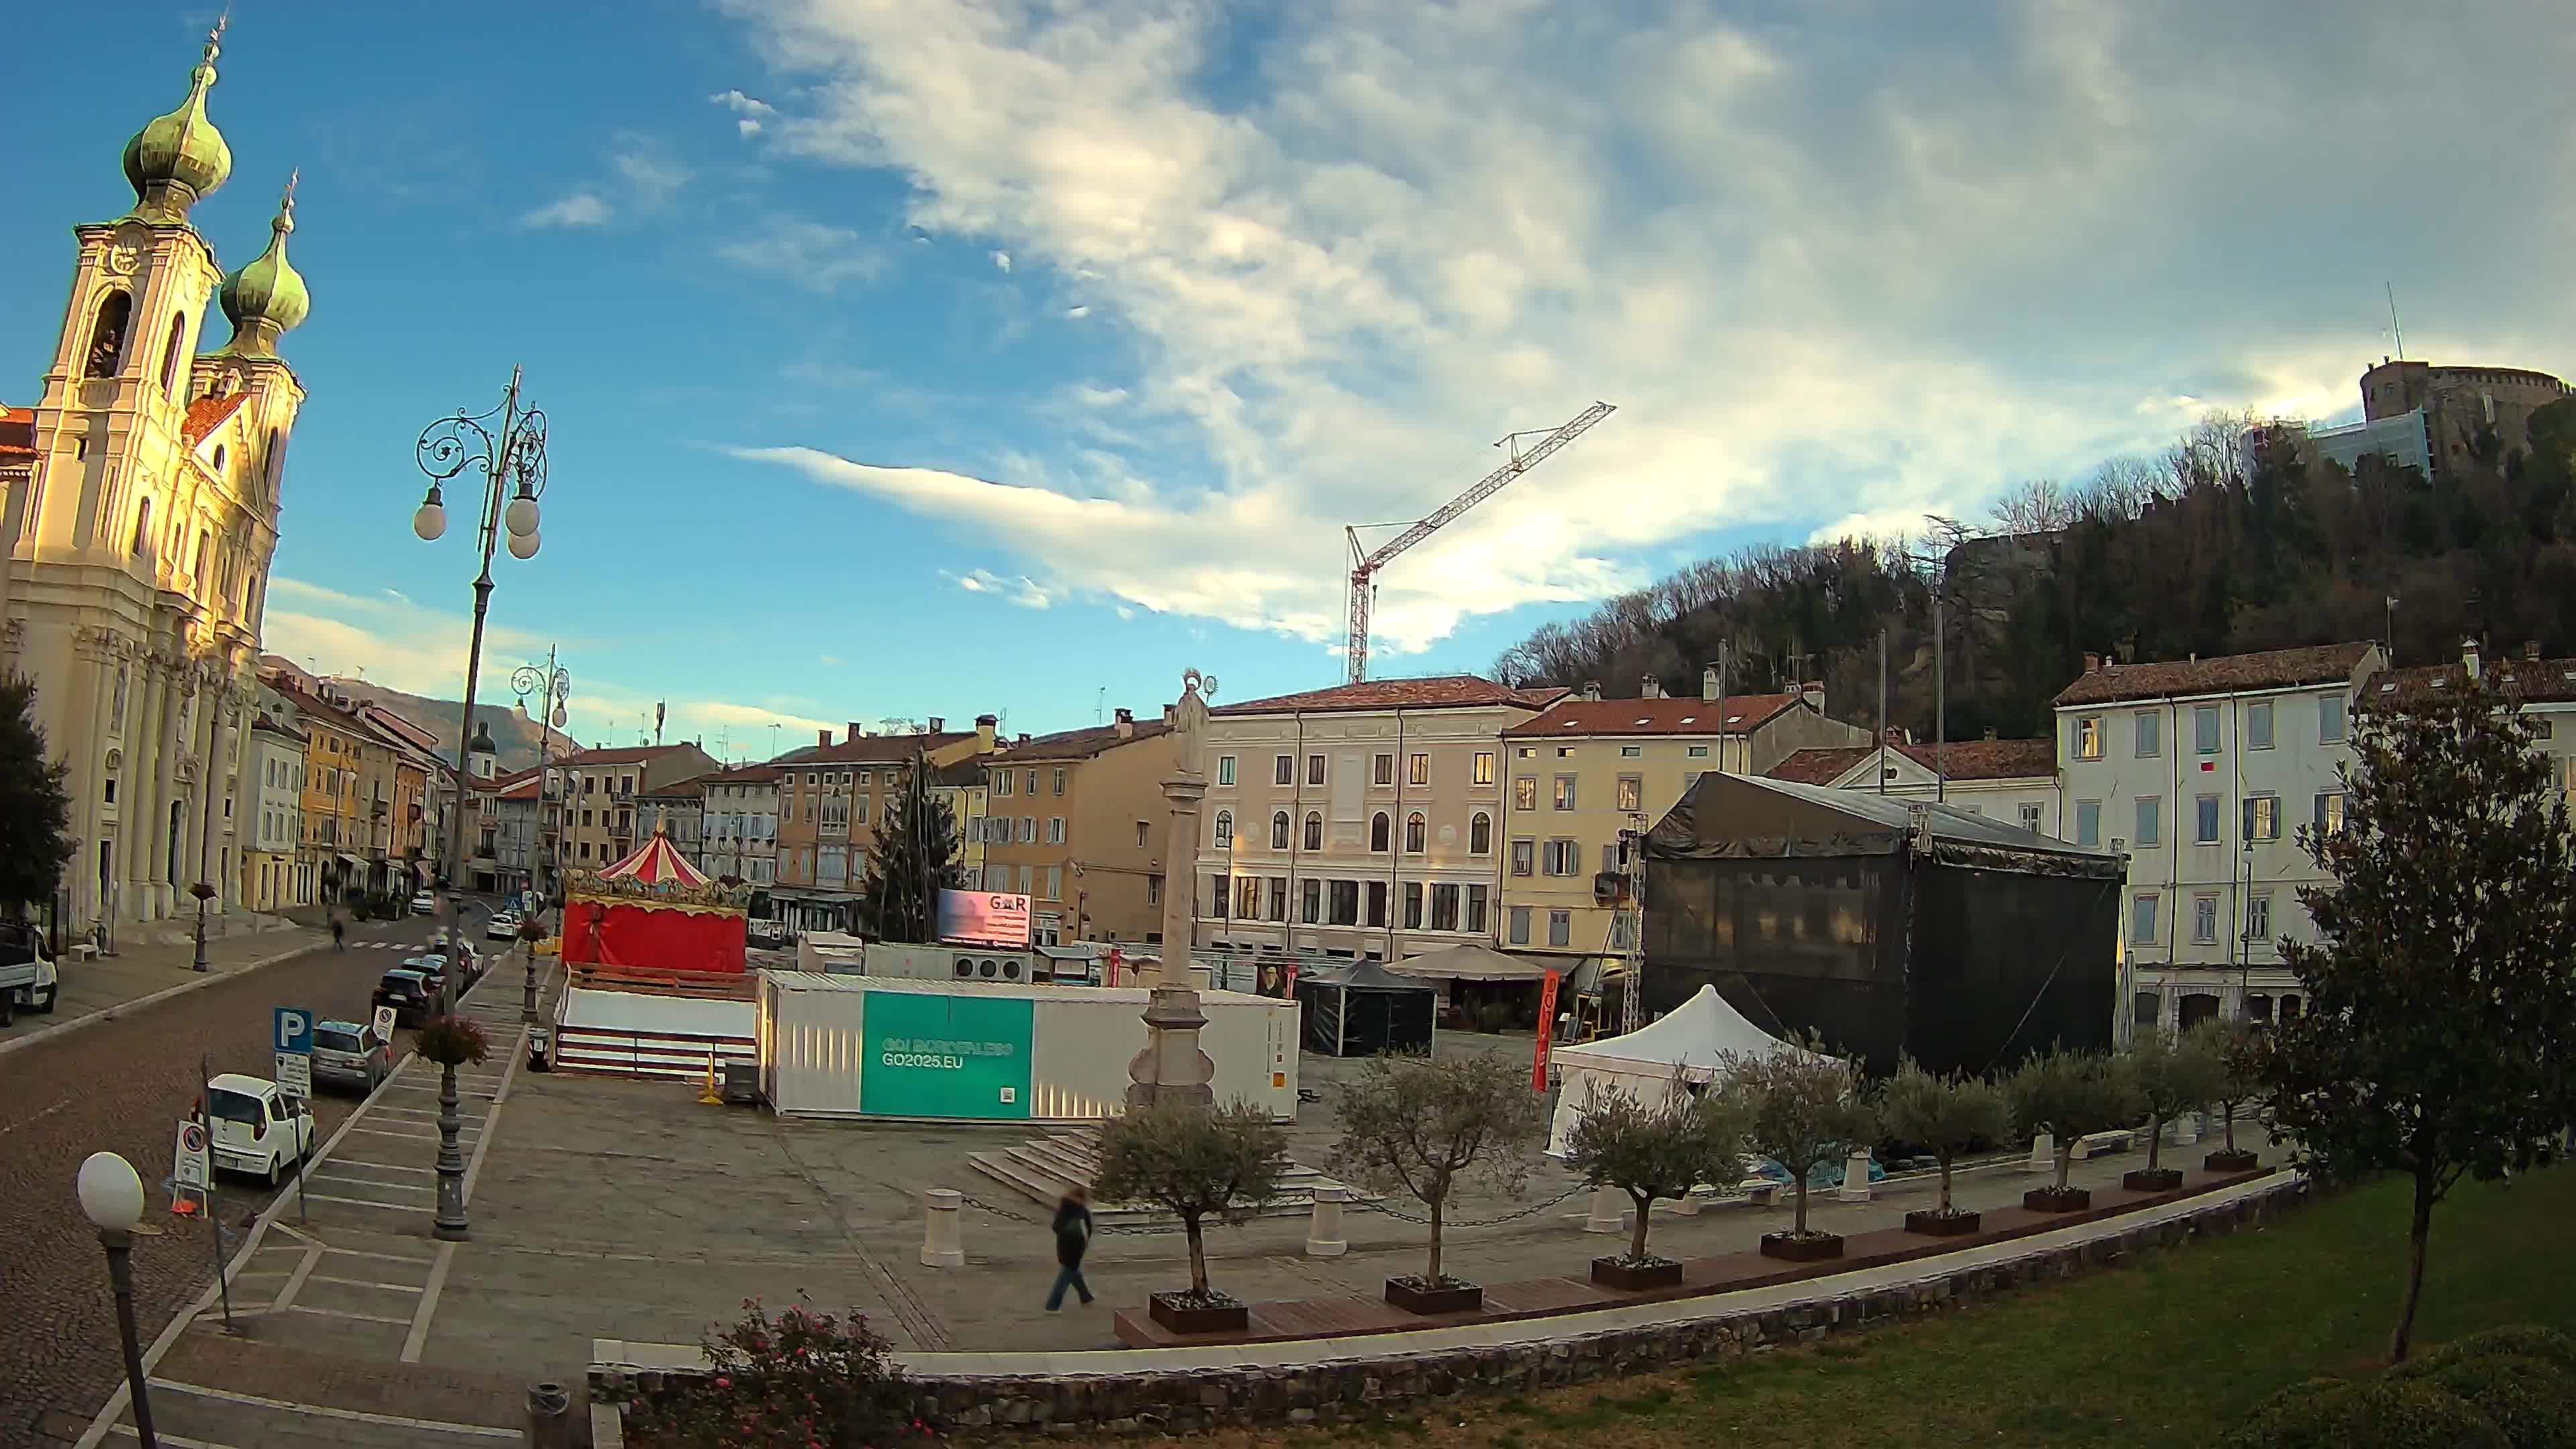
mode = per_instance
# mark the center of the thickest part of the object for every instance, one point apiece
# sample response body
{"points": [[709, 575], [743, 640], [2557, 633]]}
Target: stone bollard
{"points": [[2043, 1154], [1686, 1206], [1324, 1230], [549, 1416], [941, 1245], [1609, 1211], [1855, 1186], [2186, 1129]]}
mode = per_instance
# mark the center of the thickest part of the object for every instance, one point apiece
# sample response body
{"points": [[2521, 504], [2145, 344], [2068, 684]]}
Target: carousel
{"points": [[653, 911], [654, 979]]}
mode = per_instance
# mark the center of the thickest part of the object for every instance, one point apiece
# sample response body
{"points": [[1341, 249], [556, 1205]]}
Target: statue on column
{"points": [[1172, 1067]]}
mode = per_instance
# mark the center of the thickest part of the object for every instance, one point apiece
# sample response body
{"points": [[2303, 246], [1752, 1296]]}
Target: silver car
{"points": [[350, 1054]]}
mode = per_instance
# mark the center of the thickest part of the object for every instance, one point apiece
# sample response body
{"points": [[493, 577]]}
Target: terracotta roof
{"points": [[1439, 691], [264, 723], [694, 787], [1965, 760], [624, 755], [2226, 674], [965, 774], [17, 432], [742, 775], [504, 784], [1744, 713], [873, 749], [1082, 744], [524, 790], [2546, 681], [209, 413]]}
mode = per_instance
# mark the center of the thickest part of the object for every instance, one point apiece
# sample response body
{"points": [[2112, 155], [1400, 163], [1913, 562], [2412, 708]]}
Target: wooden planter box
{"points": [[2054, 1200], [1790, 1248], [1620, 1274], [1448, 1298], [1185, 1317], [1933, 1223], [2162, 1179], [2239, 1160]]}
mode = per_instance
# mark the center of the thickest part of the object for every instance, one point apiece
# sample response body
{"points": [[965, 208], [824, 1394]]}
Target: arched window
{"points": [[142, 525], [198, 569], [1279, 830], [107, 335], [274, 462], [1378, 831], [1314, 831], [1415, 831], [1225, 827], [170, 352], [1480, 834], [219, 460]]}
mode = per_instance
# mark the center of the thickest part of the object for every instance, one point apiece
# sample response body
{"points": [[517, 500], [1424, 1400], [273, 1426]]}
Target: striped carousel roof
{"points": [[657, 862]]}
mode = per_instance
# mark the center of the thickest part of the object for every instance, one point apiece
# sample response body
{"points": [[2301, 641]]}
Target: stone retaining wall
{"points": [[1370, 1384]]}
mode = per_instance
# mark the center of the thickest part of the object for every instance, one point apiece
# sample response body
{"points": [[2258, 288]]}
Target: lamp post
{"points": [[111, 1197], [553, 687], [508, 445]]}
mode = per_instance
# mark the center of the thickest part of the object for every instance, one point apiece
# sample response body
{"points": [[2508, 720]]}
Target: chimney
{"points": [[2469, 656], [1708, 684], [822, 737], [1126, 724], [1652, 688], [1023, 739], [2531, 650], [1592, 690], [1990, 732], [857, 733], [2092, 663], [1895, 735], [984, 727], [1813, 692], [939, 724]]}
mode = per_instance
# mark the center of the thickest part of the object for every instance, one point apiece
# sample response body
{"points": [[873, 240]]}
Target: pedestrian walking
{"points": [[1072, 1239], [339, 935]]}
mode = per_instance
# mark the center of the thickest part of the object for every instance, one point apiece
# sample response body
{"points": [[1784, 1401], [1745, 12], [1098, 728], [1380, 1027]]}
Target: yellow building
{"points": [[139, 542], [1077, 824], [333, 835], [1588, 769], [964, 787]]}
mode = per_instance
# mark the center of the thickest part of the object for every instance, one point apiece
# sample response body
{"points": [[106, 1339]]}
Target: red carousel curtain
{"points": [[637, 937]]}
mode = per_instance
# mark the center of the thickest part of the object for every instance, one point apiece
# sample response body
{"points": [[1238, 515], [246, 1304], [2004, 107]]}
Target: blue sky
{"points": [[931, 358]]}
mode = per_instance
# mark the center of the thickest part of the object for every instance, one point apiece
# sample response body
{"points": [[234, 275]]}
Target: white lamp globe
{"points": [[111, 1196], [521, 516], [430, 523], [523, 545], [561, 717]]}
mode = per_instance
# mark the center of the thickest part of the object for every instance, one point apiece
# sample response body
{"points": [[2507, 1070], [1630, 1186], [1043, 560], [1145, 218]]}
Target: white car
{"points": [[424, 904], [504, 926], [256, 1130]]}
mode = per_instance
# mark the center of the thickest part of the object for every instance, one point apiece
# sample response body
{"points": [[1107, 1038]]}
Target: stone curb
{"points": [[59, 1030], [1366, 1385]]}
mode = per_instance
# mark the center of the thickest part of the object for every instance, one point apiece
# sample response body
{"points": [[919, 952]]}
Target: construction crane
{"points": [[1366, 562]]}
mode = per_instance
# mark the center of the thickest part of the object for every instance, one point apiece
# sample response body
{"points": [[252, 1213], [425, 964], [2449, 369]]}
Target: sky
{"points": [[906, 358]]}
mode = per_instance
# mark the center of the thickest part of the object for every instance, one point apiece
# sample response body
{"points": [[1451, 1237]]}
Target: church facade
{"points": [[139, 539]]}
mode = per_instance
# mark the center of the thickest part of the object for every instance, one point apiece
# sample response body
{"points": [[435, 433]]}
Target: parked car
{"points": [[432, 970], [255, 1129], [349, 1053], [408, 993], [27, 977], [503, 926], [424, 903]]}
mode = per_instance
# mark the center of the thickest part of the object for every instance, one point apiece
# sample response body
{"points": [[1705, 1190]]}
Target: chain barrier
{"points": [[1156, 1229], [997, 1212], [1446, 1223]]}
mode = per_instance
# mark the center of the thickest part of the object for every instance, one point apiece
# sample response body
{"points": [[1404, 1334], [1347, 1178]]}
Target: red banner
{"points": [[1546, 1029]]}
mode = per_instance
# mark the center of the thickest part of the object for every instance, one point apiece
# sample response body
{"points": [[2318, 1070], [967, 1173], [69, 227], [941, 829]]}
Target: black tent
{"points": [[1365, 1009]]}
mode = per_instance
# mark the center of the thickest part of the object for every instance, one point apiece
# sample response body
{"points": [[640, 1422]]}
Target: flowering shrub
{"points": [[802, 1379], [453, 1041]]}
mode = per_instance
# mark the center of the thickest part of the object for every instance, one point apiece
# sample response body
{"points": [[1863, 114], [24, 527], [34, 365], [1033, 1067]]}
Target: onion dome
{"points": [[176, 159], [266, 298]]}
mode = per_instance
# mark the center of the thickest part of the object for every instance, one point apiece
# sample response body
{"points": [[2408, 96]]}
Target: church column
{"points": [[84, 745], [168, 743], [138, 797]]}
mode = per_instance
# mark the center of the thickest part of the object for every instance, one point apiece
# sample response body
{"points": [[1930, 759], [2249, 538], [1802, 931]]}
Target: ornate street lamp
{"points": [[111, 1197], [508, 446]]}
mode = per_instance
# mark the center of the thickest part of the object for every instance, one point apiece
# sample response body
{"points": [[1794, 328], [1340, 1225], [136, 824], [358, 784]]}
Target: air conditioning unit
{"points": [[947, 963]]}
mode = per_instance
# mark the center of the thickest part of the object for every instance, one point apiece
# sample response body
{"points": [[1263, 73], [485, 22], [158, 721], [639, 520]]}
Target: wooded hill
{"points": [[2203, 550]]}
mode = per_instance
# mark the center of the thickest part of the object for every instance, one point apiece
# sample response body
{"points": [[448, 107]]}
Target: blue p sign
{"points": [[294, 1031]]}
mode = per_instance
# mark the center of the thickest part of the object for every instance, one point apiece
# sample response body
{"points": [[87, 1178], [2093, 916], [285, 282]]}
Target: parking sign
{"points": [[293, 1040], [188, 1167]]}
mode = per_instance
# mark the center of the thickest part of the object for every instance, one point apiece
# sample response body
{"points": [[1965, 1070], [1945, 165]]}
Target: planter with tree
{"points": [[451, 1042], [2240, 1051], [2440, 1007], [1194, 1163], [1945, 1116], [1805, 1110], [1693, 1133], [1425, 1128], [2070, 1095], [2172, 1075]]}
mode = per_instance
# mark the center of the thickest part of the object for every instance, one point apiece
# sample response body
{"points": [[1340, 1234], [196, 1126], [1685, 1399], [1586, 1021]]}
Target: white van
{"points": [[27, 976]]}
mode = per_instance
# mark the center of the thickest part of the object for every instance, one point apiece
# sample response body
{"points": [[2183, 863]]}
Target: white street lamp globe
{"points": [[430, 523], [523, 545], [521, 516], [561, 717], [111, 1196]]}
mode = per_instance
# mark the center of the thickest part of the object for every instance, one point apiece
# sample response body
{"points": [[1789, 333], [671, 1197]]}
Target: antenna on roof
{"points": [[2394, 326]]}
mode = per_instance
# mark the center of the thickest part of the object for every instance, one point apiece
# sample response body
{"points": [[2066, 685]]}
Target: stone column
{"points": [[1324, 1232], [1609, 1211], [1172, 1068], [942, 1242]]}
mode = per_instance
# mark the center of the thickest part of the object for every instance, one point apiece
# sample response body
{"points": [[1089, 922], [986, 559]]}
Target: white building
{"points": [[2013, 781], [2546, 688], [2202, 771], [273, 878], [739, 824]]}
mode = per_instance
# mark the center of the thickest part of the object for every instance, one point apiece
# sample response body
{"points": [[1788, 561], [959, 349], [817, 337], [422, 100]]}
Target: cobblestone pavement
{"points": [[121, 1085]]}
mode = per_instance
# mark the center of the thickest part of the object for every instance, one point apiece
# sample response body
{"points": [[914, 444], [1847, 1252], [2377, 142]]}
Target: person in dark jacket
{"points": [[1072, 1239]]}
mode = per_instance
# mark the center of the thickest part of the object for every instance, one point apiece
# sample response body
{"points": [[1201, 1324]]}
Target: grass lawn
{"points": [[2169, 1349]]}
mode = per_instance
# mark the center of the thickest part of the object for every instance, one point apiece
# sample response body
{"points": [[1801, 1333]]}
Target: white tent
{"points": [[1693, 1037]]}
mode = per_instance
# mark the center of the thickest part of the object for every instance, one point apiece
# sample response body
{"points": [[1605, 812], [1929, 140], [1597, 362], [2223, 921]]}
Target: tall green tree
{"points": [[915, 858], [35, 809], [2441, 1015]]}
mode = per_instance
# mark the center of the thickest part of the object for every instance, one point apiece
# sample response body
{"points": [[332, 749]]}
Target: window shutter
{"points": [[2247, 832], [2321, 815]]}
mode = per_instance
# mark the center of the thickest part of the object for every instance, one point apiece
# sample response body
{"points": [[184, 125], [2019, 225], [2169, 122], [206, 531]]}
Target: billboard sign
{"points": [[946, 1056], [984, 918]]}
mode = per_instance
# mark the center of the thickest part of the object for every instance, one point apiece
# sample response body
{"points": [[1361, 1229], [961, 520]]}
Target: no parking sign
{"points": [[188, 1167]]}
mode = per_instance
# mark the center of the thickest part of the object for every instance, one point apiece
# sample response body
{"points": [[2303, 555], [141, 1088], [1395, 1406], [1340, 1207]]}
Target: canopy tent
{"points": [[1694, 1039], [1471, 962], [1364, 1010], [654, 911]]}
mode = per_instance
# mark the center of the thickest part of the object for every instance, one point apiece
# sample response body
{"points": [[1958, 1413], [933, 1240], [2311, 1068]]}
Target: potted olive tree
{"points": [[1692, 1134], [1804, 1110], [1426, 1127], [1945, 1116], [2173, 1075], [2239, 1051], [1193, 1163], [2069, 1094]]}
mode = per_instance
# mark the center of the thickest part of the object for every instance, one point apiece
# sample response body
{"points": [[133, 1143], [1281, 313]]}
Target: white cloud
{"points": [[807, 253], [1002, 260], [1077, 313], [748, 107], [648, 170], [394, 641], [581, 208], [1024, 591], [1099, 397], [1842, 267], [831, 661]]}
